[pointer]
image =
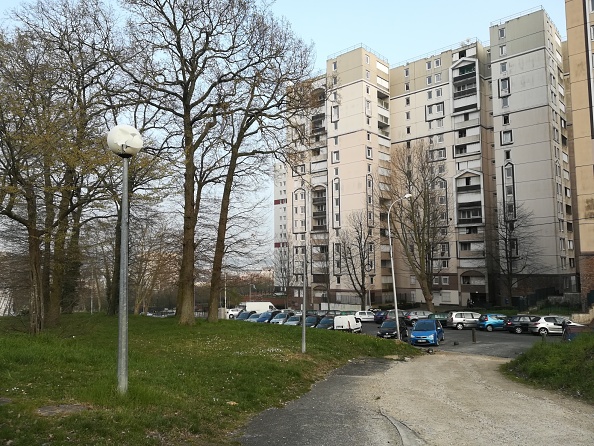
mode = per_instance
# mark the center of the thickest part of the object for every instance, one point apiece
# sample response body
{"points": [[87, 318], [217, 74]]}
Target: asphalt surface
{"points": [[332, 414]]}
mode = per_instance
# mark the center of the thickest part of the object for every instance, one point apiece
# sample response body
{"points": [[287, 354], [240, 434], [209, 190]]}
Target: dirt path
{"points": [[457, 399]]}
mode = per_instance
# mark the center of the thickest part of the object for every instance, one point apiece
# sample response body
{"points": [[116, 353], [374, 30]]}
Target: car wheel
{"points": [[442, 337], [231, 316], [489, 328], [459, 326], [437, 342], [543, 331], [518, 330]]}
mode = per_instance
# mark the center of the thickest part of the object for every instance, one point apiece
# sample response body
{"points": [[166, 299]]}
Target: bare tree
{"points": [[419, 223], [196, 58], [517, 258], [357, 250]]}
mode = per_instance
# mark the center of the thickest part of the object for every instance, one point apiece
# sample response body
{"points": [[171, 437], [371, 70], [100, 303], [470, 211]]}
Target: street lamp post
{"points": [[392, 264], [125, 141]]}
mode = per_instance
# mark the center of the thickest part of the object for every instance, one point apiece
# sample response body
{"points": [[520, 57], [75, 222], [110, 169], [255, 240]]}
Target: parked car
{"points": [[364, 316], [387, 329], [519, 323], [426, 332], [267, 316], [441, 317], [544, 325], [281, 318], [413, 316], [327, 323], [312, 320], [492, 321], [294, 320], [348, 323], [254, 317], [391, 313], [463, 319], [379, 317], [244, 315]]}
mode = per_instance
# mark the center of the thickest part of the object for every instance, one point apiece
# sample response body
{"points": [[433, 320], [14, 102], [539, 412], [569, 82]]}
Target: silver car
{"points": [[463, 319], [544, 325]]}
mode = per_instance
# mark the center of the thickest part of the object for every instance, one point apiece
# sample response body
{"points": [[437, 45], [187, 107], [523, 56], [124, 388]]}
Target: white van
{"points": [[347, 323]]}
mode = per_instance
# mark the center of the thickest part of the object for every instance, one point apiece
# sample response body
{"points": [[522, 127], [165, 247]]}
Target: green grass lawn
{"points": [[187, 385], [564, 366]]}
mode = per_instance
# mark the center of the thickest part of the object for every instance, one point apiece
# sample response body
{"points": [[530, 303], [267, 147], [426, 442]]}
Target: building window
{"points": [[429, 80], [437, 62], [335, 156], [503, 67], [369, 152], [438, 77], [406, 86], [429, 94], [428, 64], [505, 102], [505, 119], [334, 112], [334, 65], [367, 59], [406, 101], [502, 50], [407, 114], [504, 86], [367, 74], [438, 92], [502, 33], [439, 122], [439, 108], [406, 72], [508, 154], [408, 130], [506, 137]]}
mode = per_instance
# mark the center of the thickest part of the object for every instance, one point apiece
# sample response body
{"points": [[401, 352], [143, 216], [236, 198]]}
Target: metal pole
{"points": [[123, 309], [393, 276], [304, 279]]}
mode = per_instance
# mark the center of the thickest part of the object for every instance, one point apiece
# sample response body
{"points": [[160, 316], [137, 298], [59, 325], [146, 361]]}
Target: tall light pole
{"points": [[407, 196], [125, 141]]}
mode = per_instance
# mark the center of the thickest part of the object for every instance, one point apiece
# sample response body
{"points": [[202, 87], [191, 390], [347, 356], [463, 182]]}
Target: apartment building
{"points": [[494, 116], [580, 57]]}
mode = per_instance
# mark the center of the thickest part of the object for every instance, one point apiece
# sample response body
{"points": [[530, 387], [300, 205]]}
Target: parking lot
{"points": [[496, 343]]}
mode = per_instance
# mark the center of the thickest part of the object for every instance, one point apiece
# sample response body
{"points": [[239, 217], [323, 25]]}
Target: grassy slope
{"points": [[187, 385], [565, 366]]}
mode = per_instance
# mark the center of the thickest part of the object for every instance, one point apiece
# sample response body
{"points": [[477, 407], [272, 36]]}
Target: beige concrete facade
{"points": [[580, 49], [484, 111]]}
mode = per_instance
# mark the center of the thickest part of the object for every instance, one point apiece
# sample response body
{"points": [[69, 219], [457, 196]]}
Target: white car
{"points": [[348, 323], [365, 316]]}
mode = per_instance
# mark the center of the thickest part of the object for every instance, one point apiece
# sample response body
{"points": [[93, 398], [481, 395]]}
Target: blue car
{"points": [[426, 332], [492, 322]]}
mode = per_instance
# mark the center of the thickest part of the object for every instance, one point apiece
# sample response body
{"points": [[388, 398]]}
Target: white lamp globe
{"points": [[124, 140]]}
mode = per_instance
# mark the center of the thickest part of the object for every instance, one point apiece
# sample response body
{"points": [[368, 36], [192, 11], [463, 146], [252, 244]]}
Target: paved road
{"points": [[333, 412]]}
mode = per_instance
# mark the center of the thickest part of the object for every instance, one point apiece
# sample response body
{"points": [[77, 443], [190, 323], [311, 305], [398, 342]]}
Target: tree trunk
{"points": [[185, 292], [36, 312], [113, 286]]}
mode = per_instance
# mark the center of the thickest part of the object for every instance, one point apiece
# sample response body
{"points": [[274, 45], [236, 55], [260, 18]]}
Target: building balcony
{"points": [[471, 188], [463, 77], [466, 124], [462, 93], [320, 228]]}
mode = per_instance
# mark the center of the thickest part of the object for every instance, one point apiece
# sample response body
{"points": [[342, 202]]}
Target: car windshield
{"points": [[388, 324], [267, 314], [280, 316], [424, 326], [254, 316], [310, 319], [327, 321], [294, 318], [243, 316]]}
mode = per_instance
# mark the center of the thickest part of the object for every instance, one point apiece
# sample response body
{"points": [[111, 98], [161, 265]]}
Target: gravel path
{"points": [[457, 399]]}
